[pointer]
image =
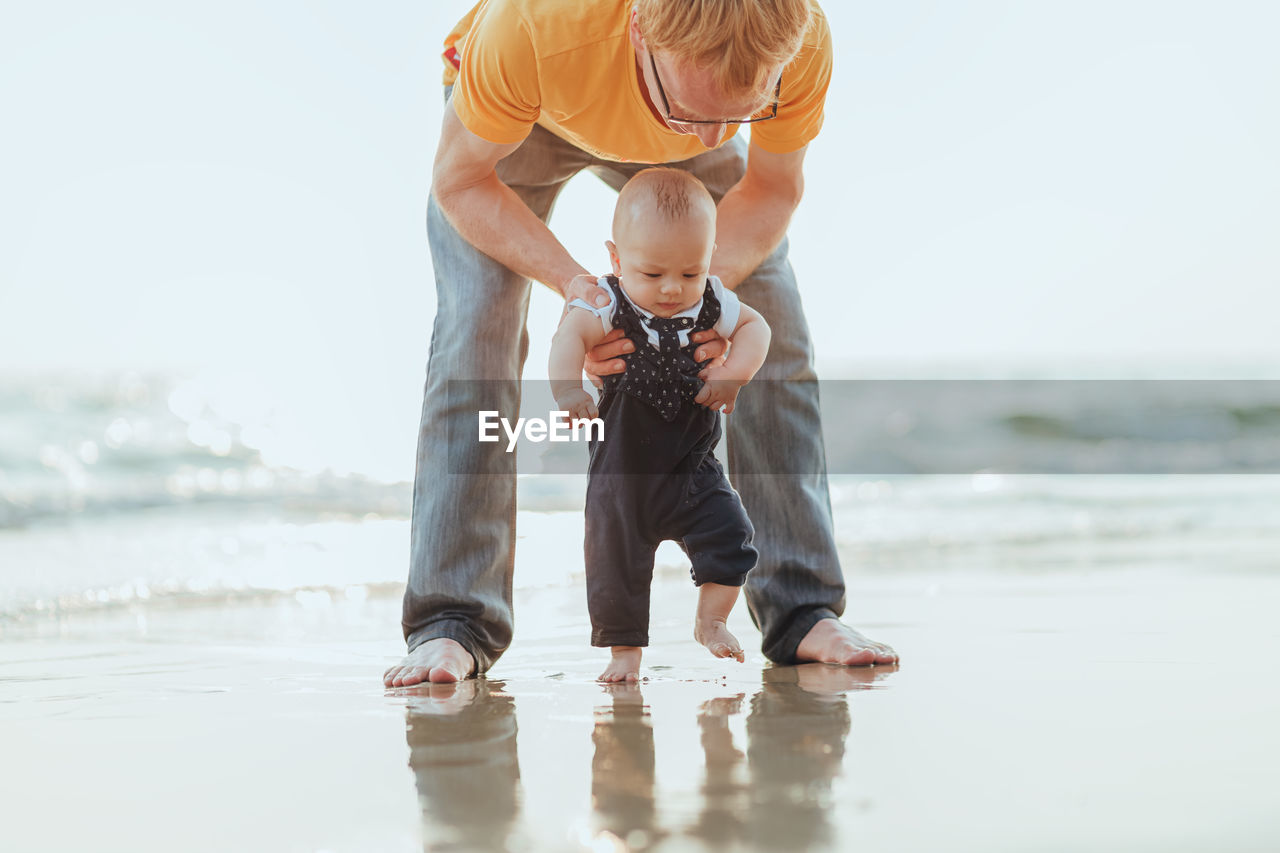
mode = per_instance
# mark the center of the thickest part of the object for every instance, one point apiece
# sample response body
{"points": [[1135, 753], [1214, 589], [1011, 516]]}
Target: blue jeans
{"points": [[463, 530]]}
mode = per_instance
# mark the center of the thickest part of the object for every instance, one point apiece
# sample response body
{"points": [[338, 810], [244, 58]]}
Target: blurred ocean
{"points": [[123, 488]]}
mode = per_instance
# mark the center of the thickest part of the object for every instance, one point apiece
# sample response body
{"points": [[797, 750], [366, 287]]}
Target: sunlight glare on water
{"points": [[304, 422]]}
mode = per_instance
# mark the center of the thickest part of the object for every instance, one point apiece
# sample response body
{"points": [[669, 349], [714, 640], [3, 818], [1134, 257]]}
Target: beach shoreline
{"points": [[1072, 706]]}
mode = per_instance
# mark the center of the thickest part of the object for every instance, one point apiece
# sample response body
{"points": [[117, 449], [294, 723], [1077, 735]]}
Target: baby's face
{"points": [[663, 265]]}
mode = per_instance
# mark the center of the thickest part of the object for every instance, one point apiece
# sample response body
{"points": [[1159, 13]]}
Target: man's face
{"points": [[691, 92]]}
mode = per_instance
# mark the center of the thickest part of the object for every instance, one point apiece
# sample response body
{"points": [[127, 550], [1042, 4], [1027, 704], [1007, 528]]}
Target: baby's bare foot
{"points": [[713, 634], [624, 666]]}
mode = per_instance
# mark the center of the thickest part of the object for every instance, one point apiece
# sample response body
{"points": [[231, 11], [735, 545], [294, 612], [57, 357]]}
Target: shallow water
{"points": [[1120, 710], [192, 634]]}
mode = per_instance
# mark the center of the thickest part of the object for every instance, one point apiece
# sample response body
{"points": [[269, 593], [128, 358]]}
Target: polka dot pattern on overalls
{"points": [[666, 375]]}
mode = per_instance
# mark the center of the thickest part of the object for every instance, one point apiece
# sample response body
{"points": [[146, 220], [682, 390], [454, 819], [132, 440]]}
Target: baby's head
{"points": [[664, 231]]}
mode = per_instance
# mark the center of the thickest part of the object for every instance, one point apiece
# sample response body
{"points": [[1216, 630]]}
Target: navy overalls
{"points": [[654, 476]]}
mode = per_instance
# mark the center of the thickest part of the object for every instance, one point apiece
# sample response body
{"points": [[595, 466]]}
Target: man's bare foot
{"points": [[624, 666], [832, 641], [714, 634], [439, 661]]}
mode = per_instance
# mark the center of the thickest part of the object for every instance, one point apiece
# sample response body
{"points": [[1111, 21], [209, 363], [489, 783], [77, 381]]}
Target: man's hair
{"points": [[673, 193], [738, 40]]}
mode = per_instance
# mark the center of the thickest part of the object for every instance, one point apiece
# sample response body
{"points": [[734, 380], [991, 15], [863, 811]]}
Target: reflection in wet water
{"points": [[462, 748], [724, 797], [795, 748], [622, 768], [774, 795], [796, 731]]}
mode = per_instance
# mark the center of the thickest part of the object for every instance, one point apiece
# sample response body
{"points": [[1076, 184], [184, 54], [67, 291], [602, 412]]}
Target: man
{"points": [[542, 90]]}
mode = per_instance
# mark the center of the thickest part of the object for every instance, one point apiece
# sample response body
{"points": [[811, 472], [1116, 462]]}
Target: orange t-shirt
{"points": [[570, 67]]}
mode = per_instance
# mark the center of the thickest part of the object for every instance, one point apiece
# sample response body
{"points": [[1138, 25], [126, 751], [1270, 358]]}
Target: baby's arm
{"points": [[579, 331], [750, 346]]}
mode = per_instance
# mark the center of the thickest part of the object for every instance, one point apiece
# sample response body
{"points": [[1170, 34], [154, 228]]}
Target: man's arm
{"points": [[752, 218], [489, 215]]}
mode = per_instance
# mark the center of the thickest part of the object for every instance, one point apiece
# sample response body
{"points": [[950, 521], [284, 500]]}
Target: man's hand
{"points": [[586, 288], [602, 359], [578, 404], [720, 389], [716, 349]]}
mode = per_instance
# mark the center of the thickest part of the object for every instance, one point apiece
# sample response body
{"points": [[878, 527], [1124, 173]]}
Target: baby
{"points": [[654, 475]]}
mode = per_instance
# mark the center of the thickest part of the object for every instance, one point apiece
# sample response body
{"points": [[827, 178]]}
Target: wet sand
{"points": [[1131, 709]]}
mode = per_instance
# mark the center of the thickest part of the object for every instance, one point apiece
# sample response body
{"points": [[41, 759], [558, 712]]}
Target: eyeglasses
{"points": [[666, 106]]}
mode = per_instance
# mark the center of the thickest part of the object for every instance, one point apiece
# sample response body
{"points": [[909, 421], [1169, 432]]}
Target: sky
{"points": [[238, 189]]}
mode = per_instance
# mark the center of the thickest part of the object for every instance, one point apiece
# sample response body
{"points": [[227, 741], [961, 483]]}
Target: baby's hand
{"points": [[720, 389], [578, 404]]}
